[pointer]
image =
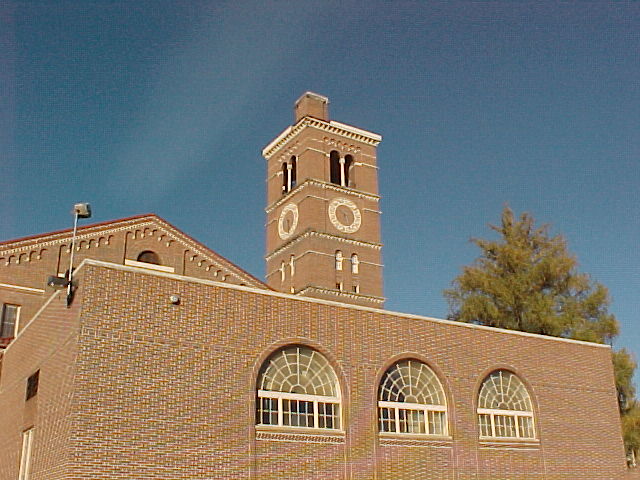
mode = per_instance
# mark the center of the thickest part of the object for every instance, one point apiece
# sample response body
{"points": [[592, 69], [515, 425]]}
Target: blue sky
{"points": [[164, 107]]}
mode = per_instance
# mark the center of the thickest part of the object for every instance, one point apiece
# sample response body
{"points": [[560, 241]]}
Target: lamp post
{"points": [[80, 210]]}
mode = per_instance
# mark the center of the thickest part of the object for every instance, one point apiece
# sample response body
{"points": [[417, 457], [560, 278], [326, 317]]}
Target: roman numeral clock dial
{"points": [[288, 221], [344, 215]]}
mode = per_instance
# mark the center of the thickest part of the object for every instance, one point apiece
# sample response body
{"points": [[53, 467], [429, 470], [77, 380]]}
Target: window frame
{"points": [[401, 409], [319, 403], [513, 415], [4, 322], [26, 454], [316, 400]]}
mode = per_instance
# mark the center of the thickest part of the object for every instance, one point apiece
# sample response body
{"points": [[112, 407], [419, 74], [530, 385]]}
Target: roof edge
{"points": [[337, 304]]}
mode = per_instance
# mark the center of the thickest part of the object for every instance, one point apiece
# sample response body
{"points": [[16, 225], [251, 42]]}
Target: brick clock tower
{"points": [[323, 216]]}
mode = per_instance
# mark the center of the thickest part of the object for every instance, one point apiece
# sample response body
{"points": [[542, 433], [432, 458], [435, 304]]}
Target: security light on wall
{"points": [[57, 282]]}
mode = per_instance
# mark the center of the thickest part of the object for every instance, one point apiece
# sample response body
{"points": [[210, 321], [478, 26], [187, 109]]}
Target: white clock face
{"points": [[288, 221], [344, 215]]}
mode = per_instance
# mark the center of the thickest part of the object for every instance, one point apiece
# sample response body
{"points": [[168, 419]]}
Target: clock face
{"points": [[344, 215], [288, 221]]}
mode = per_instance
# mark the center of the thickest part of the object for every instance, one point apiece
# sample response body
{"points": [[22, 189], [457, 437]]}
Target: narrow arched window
{"points": [[283, 271], [285, 177], [348, 163], [411, 400], [339, 260], [149, 257], [297, 387], [355, 264], [504, 407], [334, 167], [292, 265], [294, 172]]}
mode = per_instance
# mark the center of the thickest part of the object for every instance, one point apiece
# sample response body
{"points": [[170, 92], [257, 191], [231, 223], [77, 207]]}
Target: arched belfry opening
{"points": [[289, 175], [340, 168], [293, 166], [334, 167], [348, 167]]}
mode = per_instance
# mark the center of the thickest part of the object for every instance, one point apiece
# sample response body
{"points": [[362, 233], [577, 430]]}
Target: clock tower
{"points": [[323, 213]]}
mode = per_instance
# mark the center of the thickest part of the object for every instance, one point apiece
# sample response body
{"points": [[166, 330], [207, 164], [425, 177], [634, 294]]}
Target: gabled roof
{"points": [[34, 242]]}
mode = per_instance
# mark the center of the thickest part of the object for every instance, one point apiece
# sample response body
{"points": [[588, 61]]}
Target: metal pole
{"points": [[73, 248]]}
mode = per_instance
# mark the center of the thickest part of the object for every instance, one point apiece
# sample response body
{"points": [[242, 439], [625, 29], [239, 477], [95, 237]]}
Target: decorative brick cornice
{"points": [[414, 441], [299, 437], [37, 243], [333, 127], [312, 233], [309, 182], [339, 294]]}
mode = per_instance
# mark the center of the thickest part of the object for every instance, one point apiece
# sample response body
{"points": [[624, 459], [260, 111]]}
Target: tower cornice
{"points": [[339, 294], [324, 185], [313, 233], [332, 126]]}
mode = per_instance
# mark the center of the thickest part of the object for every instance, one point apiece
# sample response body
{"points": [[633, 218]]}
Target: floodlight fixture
{"points": [[80, 210]]}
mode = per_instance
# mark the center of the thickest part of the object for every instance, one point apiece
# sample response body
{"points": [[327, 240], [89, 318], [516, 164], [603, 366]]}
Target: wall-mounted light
{"points": [[174, 299]]}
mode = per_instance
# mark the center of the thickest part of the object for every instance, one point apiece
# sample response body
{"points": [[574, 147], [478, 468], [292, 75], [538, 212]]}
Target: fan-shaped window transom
{"points": [[504, 407], [298, 387], [411, 400]]}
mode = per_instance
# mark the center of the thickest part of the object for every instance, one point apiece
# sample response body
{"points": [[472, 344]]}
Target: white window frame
{"points": [[16, 322], [315, 399], [515, 414], [25, 456], [397, 406]]}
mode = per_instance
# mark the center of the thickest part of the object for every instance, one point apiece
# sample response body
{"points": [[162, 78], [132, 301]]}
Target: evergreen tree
{"points": [[527, 280]]}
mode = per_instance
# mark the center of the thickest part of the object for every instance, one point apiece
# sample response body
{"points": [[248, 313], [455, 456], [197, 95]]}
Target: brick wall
{"points": [[168, 391]]}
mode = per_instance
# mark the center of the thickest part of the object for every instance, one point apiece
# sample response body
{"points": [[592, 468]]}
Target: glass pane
{"points": [[485, 425], [387, 419], [436, 423], [8, 321], [505, 425], [525, 427], [415, 421], [268, 411], [328, 415], [297, 413]]}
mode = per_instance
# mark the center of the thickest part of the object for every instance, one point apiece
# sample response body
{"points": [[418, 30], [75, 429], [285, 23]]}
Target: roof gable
{"points": [[197, 259]]}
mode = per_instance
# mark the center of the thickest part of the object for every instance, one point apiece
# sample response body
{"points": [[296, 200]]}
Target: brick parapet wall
{"points": [[168, 391], [180, 379]]}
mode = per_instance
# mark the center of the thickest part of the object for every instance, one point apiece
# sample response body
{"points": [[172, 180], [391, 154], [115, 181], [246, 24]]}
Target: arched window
{"points": [[292, 265], [298, 388], [355, 263], [285, 177], [283, 271], [411, 400], [504, 407], [149, 257], [339, 259], [293, 170], [334, 167], [348, 163]]}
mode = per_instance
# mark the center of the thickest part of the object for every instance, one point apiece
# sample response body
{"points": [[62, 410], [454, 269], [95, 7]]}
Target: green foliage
{"points": [[624, 365], [631, 429], [528, 281]]}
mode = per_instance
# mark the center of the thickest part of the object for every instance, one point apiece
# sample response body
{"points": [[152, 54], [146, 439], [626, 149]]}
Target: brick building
{"points": [[170, 362]]}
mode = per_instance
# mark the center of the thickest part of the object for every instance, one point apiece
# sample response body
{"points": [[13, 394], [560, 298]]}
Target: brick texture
{"points": [[136, 387]]}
